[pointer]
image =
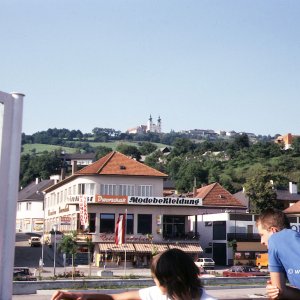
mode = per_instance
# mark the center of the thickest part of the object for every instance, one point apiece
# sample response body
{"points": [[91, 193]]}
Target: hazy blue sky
{"points": [[231, 65]]}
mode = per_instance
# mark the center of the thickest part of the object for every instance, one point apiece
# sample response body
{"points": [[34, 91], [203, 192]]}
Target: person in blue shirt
{"points": [[283, 254]]}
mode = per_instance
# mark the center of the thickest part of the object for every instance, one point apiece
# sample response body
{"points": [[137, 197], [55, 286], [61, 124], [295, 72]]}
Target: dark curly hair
{"points": [[176, 271]]}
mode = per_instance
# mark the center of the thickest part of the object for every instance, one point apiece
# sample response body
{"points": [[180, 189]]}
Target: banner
{"points": [[120, 230], [83, 211]]}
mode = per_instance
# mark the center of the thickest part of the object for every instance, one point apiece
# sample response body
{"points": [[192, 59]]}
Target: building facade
{"points": [[232, 237], [91, 200]]}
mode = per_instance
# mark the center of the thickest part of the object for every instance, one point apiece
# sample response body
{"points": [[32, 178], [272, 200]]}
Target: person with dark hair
{"points": [[176, 277], [283, 254]]}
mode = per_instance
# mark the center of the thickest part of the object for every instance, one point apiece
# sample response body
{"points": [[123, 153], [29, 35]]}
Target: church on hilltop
{"points": [[150, 127]]}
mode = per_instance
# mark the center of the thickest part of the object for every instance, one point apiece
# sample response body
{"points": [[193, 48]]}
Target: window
{"points": [[126, 190], [19, 206], [86, 188], [107, 223], [219, 230], [28, 206], [173, 227], [108, 189], [129, 223], [145, 190], [92, 222], [144, 224]]}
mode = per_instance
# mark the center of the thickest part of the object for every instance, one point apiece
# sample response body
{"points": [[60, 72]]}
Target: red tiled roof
{"points": [[293, 209], [116, 163], [215, 195]]}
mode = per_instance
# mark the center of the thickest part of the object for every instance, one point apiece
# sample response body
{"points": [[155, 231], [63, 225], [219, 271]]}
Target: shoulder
{"points": [[150, 293], [283, 234], [205, 296]]}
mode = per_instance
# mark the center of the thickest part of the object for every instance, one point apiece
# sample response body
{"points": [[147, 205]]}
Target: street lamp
{"points": [[54, 260]]}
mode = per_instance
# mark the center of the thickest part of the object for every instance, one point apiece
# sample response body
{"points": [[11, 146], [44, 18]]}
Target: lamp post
{"points": [[54, 260]]}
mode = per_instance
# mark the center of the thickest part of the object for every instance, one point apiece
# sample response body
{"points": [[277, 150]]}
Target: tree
{"points": [[68, 245], [147, 148], [296, 145], [90, 247], [129, 150], [261, 192], [101, 151]]}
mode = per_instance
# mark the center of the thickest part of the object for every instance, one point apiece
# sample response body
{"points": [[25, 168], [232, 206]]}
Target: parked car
{"points": [[243, 271], [23, 274], [207, 263], [34, 241]]}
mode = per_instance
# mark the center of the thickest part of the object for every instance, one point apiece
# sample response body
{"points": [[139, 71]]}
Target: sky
{"points": [[205, 64]]}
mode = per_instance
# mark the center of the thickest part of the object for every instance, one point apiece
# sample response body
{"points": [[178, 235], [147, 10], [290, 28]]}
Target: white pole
{"points": [[125, 241], [11, 111], [43, 240], [54, 260]]}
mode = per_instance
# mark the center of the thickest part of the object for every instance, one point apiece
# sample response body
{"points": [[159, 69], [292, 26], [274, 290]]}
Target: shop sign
{"points": [[76, 198], [103, 237], [165, 201], [136, 200], [65, 220], [106, 199]]}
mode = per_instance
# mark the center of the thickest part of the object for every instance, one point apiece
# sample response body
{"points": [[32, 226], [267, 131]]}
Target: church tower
{"points": [[158, 125], [150, 124]]}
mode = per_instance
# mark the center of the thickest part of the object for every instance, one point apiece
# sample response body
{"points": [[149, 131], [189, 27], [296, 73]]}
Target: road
{"points": [[26, 256]]}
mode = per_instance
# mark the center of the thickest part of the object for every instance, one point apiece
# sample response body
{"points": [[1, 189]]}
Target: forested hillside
{"points": [[234, 163]]}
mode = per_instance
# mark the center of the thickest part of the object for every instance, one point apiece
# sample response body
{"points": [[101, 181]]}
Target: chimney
{"points": [[55, 178], [74, 166], [37, 181], [293, 188]]}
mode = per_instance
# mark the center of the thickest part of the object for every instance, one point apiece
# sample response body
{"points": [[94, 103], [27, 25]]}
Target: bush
{"points": [[77, 273]]}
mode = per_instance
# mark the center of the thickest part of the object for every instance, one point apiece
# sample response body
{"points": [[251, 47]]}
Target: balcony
{"points": [[243, 237]]}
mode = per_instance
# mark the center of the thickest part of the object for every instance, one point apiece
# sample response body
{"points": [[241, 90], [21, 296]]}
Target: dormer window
{"points": [[122, 167]]}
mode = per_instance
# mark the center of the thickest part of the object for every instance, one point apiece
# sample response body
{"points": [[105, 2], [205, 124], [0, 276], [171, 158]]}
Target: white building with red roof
{"points": [[91, 200]]}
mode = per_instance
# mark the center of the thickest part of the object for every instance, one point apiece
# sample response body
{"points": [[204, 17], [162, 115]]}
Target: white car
{"points": [[34, 241], [206, 263]]}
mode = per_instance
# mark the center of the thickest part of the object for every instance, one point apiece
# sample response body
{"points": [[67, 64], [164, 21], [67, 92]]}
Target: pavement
{"points": [[220, 294]]}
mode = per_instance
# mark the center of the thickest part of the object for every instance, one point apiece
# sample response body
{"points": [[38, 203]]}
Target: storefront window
{"points": [[173, 227], [144, 224], [92, 222], [129, 223], [107, 223]]}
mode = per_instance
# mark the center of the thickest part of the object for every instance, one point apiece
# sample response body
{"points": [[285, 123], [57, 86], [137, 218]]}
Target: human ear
{"points": [[274, 229]]}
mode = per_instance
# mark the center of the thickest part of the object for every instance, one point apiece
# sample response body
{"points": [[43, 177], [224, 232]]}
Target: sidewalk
{"points": [[95, 271]]}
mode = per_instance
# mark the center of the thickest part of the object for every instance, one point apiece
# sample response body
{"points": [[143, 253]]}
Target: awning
{"points": [[187, 247], [149, 248], [116, 248]]}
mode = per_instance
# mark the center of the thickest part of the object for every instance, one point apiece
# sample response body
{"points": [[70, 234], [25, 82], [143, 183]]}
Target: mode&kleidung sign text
{"points": [[136, 200]]}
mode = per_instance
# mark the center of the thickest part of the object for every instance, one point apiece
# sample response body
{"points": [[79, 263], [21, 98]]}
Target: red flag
{"points": [[120, 230]]}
